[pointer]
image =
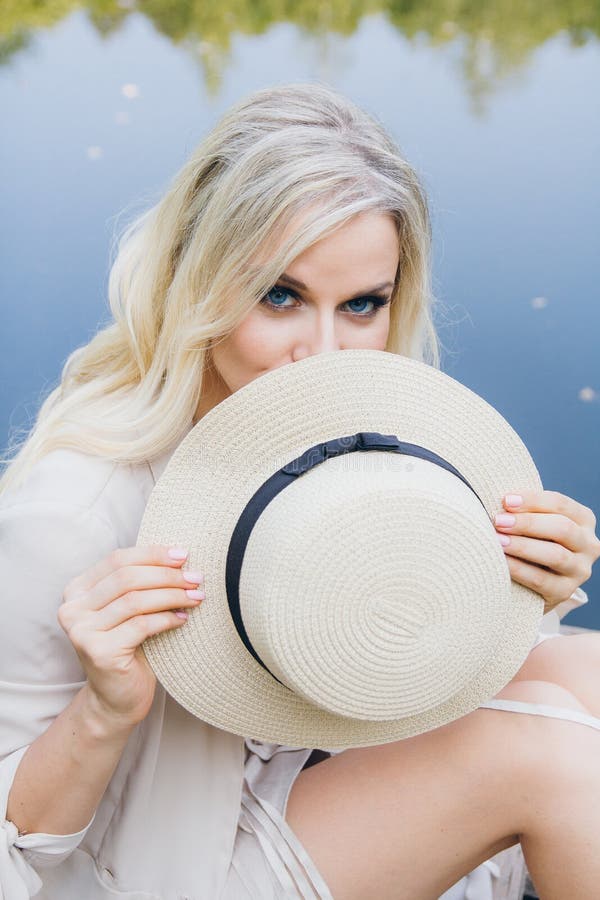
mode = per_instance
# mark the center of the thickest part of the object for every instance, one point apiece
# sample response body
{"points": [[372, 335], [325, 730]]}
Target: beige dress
{"points": [[268, 860]]}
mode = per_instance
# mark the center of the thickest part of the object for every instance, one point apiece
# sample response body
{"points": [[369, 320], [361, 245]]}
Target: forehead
{"points": [[362, 252], [368, 242]]}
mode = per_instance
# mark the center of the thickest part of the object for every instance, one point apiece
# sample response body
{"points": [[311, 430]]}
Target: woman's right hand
{"points": [[109, 611]]}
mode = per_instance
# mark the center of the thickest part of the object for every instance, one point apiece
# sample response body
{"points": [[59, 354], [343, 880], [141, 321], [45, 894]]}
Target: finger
{"points": [[139, 603], [134, 631], [547, 526], [135, 578], [550, 502], [553, 588], [105, 650], [154, 555], [544, 553]]}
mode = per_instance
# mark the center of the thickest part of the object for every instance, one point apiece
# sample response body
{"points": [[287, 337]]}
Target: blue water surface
{"points": [[97, 120]]}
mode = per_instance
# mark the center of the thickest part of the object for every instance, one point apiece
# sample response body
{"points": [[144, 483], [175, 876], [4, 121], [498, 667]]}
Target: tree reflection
{"points": [[497, 37]]}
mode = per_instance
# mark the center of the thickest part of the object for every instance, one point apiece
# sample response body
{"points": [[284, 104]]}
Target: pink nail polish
{"points": [[505, 520], [178, 553], [514, 500], [504, 539], [193, 577]]}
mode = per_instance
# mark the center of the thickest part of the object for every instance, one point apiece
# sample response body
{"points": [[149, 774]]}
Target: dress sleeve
{"points": [[577, 599], [42, 546]]}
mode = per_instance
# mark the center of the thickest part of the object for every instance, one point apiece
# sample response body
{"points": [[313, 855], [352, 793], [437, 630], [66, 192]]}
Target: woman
{"points": [[295, 228]]}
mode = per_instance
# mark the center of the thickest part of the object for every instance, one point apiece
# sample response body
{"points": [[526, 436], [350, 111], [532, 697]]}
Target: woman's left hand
{"points": [[552, 543]]}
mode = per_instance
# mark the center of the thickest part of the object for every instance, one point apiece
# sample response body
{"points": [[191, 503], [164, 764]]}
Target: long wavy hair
{"points": [[184, 275]]}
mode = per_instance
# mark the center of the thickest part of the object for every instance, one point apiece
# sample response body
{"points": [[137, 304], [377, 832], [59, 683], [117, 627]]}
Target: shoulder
{"points": [[70, 484]]}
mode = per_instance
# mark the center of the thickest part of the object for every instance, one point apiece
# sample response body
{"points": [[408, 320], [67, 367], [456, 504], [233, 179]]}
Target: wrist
{"points": [[99, 722]]}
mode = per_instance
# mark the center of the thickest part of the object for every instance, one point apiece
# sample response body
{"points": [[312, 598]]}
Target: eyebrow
{"points": [[301, 286]]}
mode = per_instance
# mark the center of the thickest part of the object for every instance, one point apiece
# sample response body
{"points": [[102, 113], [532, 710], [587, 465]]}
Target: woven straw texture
{"points": [[371, 651]]}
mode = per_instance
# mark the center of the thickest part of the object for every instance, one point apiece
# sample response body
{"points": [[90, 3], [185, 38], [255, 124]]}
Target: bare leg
{"points": [[406, 820], [561, 838]]}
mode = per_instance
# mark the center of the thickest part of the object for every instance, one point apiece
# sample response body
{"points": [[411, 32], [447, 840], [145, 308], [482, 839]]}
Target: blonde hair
{"points": [[182, 277]]}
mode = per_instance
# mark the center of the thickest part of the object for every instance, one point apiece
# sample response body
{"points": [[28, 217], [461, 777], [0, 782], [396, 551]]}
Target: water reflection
{"points": [[496, 38]]}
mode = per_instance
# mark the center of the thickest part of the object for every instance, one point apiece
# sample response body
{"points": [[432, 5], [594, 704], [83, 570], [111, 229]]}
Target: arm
{"points": [[42, 546], [79, 683], [63, 774]]}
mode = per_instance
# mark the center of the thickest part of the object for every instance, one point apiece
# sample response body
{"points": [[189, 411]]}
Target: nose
{"points": [[320, 336]]}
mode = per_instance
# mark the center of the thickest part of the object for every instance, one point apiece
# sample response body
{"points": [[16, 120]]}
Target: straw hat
{"points": [[356, 593]]}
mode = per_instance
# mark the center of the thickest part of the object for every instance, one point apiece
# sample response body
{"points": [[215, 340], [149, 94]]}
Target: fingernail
{"points": [[193, 577], [178, 553], [196, 595], [181, 614], [505, 520], [513, 500], [504, 539]]}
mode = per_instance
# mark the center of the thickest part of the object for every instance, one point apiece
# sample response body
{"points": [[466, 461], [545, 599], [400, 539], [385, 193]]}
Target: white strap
{"points": [[284, 864], [542, 709]]}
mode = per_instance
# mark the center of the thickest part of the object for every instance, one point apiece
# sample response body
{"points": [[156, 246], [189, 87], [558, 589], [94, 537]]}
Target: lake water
{"points": [[497, 108]]}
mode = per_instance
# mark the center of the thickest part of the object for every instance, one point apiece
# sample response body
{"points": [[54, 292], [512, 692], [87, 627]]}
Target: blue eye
{"points": [[275, 298], [360, 300], [276, 294]]}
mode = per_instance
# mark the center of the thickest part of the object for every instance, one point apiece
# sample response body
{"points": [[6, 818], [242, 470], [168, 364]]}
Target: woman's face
{"points": [[333, 296]]}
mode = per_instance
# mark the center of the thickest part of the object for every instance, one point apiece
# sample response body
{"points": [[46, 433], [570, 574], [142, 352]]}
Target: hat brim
{"points": [[236, 447]]}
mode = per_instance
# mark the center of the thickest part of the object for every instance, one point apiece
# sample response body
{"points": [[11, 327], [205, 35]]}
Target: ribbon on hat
{"points": [[314, 456]]}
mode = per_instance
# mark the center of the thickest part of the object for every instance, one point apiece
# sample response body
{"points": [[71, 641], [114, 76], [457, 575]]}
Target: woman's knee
{"points": [[541, 691], [572, 661], [550, 757]]}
